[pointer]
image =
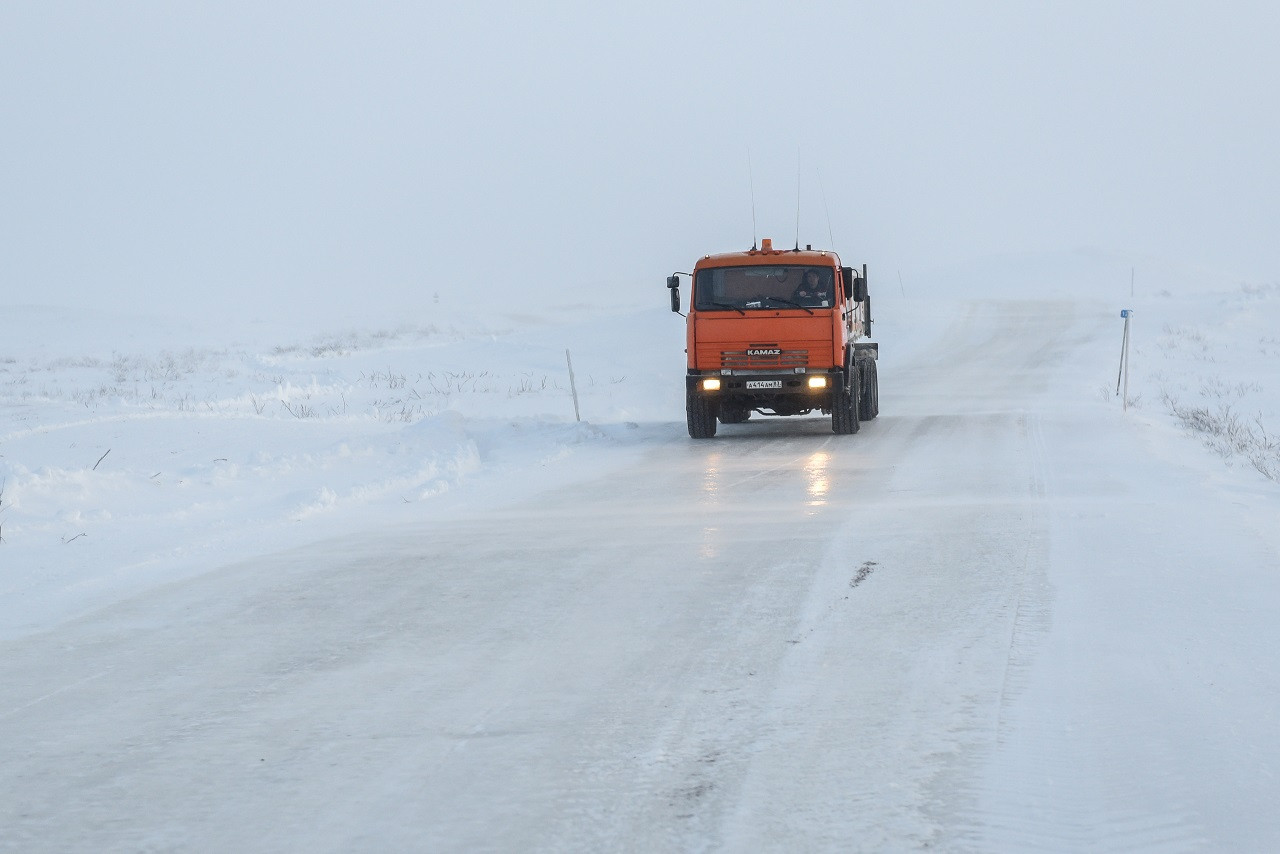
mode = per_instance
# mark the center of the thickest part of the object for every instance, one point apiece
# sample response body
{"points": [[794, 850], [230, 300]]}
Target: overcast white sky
{"points": [[255, 156]]}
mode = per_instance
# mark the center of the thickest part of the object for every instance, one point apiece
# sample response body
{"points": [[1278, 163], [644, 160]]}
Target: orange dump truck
{"points": [[778, 332]]}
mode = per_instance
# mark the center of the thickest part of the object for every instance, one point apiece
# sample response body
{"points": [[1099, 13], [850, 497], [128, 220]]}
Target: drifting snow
{"points": [[130, 455]]}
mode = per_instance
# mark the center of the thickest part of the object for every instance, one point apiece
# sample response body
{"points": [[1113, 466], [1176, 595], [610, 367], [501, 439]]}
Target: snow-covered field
{"points": [[1061, 633], [136, 450], [1213, 362]]}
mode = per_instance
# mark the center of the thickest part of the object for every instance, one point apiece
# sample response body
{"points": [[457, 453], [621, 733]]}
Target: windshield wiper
{"points": [[789, 302], [726, 305]]}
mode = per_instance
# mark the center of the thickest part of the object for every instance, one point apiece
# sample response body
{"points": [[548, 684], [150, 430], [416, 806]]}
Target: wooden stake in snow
{"points": [[572, 386]]}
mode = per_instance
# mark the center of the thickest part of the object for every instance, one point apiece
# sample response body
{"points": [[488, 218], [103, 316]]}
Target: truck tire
{"points": [[869, 406], [733, 414], [700, 411], [844, 405]]}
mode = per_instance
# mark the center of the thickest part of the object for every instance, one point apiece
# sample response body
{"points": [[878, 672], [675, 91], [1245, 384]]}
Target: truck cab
{"points": [[777, 332]]}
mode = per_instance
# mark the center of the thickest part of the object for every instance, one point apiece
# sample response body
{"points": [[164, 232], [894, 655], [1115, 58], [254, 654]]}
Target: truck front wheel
{"points": [[700, 411], [844, 405]]}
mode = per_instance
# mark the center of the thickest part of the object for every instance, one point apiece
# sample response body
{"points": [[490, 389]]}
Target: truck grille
{"points": [[775, 358]]}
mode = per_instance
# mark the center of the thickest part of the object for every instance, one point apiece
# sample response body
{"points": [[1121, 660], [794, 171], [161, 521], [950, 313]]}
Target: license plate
{"points": [[764, 384]]}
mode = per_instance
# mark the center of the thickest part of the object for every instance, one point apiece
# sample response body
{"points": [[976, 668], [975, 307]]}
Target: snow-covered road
{"points": [[989, 621]]}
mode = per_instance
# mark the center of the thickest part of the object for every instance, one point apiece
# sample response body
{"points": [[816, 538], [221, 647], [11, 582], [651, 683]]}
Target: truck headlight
{"points": [[817, 382], [711, 384]]}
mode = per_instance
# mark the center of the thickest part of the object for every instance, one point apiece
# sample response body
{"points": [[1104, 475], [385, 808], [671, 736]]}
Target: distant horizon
{"points": [[292, 154]]}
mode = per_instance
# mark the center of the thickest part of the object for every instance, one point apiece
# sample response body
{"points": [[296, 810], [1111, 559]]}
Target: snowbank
{"points": [[130, 458]]}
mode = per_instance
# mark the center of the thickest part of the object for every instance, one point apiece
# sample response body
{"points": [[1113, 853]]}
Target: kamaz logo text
{"points": [[764, 352]]}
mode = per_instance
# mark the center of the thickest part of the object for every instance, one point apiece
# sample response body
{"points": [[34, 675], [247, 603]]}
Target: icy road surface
{"points": [[990, 621]]}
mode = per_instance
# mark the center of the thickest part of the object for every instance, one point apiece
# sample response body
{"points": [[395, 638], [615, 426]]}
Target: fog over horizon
{"points": [[336, 161]]}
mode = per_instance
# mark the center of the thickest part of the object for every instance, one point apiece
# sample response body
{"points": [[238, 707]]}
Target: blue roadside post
{"points": [[1126, 313]]}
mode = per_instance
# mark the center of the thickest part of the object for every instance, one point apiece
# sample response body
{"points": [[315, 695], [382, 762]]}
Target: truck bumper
{"points": [[784, 392]]}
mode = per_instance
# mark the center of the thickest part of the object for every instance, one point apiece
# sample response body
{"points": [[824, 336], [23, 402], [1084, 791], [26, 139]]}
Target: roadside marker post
{"points": [[574, 386], [1126, 313]]}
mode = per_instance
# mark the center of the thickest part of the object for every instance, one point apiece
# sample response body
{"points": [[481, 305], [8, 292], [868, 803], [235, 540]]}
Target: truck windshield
{"points": [[760, 287]]}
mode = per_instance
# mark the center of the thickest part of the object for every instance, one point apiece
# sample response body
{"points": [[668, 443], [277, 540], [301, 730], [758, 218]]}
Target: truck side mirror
{"points": [[860, 289], [673, 283], [846, 273]]}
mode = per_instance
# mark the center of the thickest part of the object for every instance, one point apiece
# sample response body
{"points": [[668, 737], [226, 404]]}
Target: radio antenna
{"points": [[751, 182], [797, 198], [822, 189]]}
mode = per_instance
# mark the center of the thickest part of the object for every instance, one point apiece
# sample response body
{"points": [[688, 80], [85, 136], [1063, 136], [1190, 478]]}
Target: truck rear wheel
{"points": [[844, 405], [700, 411], [869, 406]]}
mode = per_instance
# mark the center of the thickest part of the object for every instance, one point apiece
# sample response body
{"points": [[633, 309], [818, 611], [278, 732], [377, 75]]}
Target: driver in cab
{"points": [[812, 291]]}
